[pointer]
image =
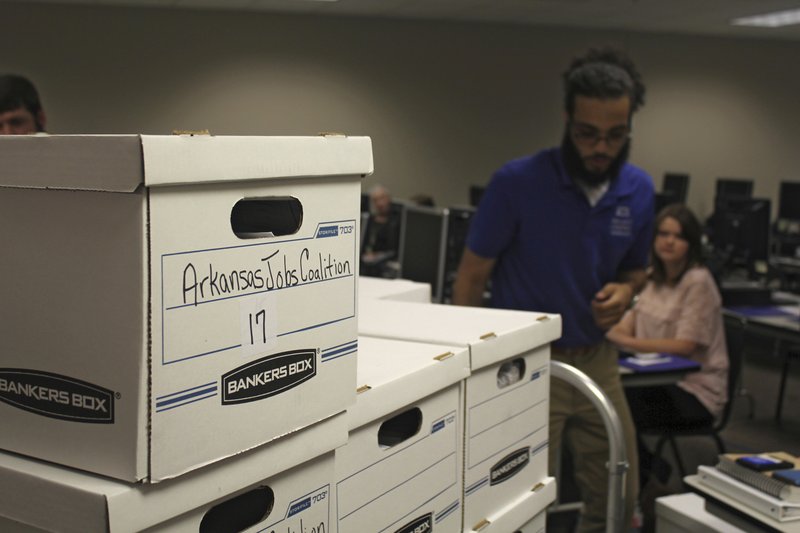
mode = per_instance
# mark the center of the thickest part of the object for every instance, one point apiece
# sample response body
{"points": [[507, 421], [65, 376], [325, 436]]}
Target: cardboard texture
{"points": [[505, 398], [394, 289], [146, 334], [403, 476], [39, 496]]}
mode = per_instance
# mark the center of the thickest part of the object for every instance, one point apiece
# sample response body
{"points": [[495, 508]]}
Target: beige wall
{"points": [[445, 103]]}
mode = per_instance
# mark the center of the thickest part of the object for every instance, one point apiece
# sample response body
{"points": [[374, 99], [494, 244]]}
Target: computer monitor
{"points": [[742, 230], [458, 222], [422, 246], [475, 194], [676, 185], [663, 199], [789, 200], [733, 187]]}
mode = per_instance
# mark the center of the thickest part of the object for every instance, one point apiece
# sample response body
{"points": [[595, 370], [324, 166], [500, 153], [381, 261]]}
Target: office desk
{"points": [[665, 370], [779, 323]]}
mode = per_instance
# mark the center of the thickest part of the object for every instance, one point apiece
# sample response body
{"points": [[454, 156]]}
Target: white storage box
{"points": [[506, 397], [280, 486], [394, 289], [176, 299], [401, 468], [527, 514], [686, 513]]}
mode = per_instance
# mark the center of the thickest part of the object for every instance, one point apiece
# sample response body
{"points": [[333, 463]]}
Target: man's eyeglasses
{"points": [[590, 136]]}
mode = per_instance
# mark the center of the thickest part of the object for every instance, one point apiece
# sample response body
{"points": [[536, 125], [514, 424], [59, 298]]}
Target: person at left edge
{"points": [[21, 111]]}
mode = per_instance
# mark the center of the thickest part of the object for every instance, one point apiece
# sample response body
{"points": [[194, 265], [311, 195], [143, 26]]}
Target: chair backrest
{"points": [[734, 338]]}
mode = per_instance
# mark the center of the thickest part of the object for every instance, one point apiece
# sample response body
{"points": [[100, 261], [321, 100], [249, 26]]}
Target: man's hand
{"points": [[610, 303]]}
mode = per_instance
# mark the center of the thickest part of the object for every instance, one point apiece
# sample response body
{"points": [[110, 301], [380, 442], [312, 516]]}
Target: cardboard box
{"points": [[394, 289], [297, 469], [154, 326], [401, 468], [506, 397], [299, 499], [526, 514]]}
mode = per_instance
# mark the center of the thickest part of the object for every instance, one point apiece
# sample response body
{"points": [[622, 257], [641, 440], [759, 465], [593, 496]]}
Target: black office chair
{"points": [[734, 338]]}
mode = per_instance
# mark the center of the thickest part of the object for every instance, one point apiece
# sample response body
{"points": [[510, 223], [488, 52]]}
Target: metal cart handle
{"points": [[618, 455]]}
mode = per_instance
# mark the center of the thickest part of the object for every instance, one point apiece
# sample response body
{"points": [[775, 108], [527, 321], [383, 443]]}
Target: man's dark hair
{"points": [[17, 91], [691, 232], [603, 73]]}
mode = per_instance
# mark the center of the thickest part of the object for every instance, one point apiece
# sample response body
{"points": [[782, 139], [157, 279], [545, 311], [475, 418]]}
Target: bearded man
{"points": [[568, 230]]}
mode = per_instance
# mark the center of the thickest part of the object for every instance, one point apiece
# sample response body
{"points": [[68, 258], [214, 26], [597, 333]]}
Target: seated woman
{"points": [[678, 312]]}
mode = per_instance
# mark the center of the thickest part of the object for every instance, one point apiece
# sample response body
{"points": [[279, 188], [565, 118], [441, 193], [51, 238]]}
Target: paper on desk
{"points": [[648, 359]]}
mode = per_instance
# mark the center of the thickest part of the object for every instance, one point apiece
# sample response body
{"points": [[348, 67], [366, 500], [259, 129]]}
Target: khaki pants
{"points": [[575, 423]]}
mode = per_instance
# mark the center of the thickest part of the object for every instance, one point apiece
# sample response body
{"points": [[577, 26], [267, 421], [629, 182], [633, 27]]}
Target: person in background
{"points": [[21, 110], [382, 239], [678, 312], [567, 230]]}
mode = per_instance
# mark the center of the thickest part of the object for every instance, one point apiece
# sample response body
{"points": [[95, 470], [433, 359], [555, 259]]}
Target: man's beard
{"points": [[576, 168]]}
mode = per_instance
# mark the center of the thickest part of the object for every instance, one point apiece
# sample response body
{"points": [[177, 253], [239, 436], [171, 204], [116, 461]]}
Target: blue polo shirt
{"points": [[553, 250]]}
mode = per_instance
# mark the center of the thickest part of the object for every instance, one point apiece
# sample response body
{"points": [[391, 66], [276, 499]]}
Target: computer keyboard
{"points": [[780, 260]]}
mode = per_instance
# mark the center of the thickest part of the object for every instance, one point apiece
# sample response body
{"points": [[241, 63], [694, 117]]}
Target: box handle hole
{"points": [[240, 512], [400, 427], [510, 372], [256, 218]]}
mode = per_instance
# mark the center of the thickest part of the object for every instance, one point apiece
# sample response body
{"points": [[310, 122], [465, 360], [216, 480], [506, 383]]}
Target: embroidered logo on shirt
{"points": [[622, 223]]}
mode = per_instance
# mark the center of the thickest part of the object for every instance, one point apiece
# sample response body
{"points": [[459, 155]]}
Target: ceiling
{"points": [[698, 17]]}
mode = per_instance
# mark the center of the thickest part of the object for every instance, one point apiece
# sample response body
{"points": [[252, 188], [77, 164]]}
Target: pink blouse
{"points": [[691, 310]]}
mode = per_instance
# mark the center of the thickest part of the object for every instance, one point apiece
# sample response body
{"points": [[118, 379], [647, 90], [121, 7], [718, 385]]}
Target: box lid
{"points": [[62, 499], [85, 162], [394, 289], [491, 334], [393, 374], [176, 159], [121, 163]]}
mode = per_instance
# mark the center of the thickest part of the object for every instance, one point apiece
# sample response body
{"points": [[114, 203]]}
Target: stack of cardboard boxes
{"points": [[179, 346], [401, 467], [503, 403], [181, 324]]}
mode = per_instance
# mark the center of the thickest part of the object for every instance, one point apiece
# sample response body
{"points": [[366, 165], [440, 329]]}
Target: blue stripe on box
{"points": [[447, 511], [191, 395]]}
